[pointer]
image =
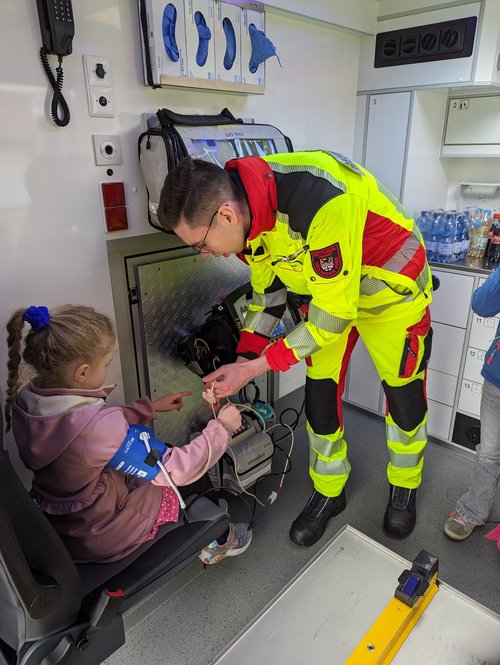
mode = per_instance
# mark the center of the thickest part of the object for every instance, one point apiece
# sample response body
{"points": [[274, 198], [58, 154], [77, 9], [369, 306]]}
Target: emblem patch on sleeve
{"points": [[327, 262]]}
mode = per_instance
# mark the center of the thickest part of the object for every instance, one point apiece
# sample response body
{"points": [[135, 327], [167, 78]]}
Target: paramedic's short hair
{"points": [[194, 189]]}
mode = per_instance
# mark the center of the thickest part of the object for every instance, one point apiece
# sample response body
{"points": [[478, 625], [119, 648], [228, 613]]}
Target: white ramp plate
{"points": [[324, 612]]}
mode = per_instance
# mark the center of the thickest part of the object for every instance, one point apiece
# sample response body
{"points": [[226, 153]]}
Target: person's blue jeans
{"points": [[475, 506]]}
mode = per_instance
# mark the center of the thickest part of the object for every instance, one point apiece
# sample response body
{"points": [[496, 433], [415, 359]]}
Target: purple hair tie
{"points": [[37, 317]]}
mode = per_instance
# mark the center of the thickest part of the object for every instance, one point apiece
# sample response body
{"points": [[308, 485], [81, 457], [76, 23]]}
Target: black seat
{"points": [[53, 612]]}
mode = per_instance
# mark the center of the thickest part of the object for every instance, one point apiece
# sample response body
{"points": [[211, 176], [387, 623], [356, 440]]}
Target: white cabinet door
{"points": [[439, 420], [447, 347], [386, 137], [482, 331], [451, 302], [470, 397], [441, 387], [364, 384]]}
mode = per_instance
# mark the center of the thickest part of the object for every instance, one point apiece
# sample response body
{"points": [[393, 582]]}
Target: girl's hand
{"points": [[230, 417], [170, 402]]}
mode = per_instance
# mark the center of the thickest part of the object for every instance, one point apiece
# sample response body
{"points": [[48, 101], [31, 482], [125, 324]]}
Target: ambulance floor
{"points": [[203, 609]]}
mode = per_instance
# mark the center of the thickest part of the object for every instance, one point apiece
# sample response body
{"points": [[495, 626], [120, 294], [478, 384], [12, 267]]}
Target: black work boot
{"points": [[311, 523], [401, 513]]}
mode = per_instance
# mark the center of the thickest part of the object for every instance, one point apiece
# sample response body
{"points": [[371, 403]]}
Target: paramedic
{"points": [[318, 224]]}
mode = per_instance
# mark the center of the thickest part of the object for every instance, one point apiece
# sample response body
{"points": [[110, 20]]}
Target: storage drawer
{"points": [[470, 397], [447, 347], [451, 302], [441, 387], [439, 420], [466, 431], [474, 364], [482, 331]]}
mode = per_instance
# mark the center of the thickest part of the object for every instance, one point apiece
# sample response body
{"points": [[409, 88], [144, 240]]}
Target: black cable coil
{"points": [[56, 85]]}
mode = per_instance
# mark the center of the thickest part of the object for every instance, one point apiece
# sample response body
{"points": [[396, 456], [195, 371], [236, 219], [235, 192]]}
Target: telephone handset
{"points": [[56, 25], [58, 29]]}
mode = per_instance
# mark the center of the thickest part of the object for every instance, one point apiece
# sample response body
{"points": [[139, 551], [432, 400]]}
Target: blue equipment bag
{"points": [[139, 453]]}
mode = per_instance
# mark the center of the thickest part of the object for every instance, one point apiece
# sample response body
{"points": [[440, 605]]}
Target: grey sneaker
{"points": [[457, 527]]}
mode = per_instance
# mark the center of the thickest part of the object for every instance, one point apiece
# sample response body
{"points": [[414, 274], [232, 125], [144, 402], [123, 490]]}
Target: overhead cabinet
{"points": [[472, 127], [447, 47]]}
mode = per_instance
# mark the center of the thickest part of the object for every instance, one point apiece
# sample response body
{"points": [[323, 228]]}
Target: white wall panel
{"points": [[53, 247]]}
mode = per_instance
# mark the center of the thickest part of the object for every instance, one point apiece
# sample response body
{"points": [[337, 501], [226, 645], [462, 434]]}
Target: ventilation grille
{"points": [[426, 43]]}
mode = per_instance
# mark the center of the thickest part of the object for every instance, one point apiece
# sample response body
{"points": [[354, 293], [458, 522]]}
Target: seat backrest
{"points": [[39, 583]]}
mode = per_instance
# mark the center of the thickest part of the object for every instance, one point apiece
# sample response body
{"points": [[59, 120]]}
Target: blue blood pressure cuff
{"points": [[139, 453]]}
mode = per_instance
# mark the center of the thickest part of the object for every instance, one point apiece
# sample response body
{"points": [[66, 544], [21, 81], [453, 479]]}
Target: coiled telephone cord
{"points": [[56, 84]]}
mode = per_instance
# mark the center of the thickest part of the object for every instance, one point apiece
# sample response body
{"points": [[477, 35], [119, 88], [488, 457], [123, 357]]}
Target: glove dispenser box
{"points": [[199, 16], [258, 19], [227, 41], [166, 27]]}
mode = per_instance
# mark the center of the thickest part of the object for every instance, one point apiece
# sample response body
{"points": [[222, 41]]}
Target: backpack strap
{"points": [[168, 118]]}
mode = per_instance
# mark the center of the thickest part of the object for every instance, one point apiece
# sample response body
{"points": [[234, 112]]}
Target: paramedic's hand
{"points": [[231, 378], [170, 402], [230, 417]]}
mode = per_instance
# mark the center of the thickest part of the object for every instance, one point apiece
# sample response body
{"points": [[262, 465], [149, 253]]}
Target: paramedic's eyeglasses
{"points": [[199, 248]]}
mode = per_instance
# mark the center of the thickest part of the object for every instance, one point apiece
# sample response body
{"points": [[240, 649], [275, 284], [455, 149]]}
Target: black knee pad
{"points": [[407, 404], [321, 405]]}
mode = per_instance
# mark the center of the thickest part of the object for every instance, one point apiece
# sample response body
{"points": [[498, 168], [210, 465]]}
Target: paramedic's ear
{"points": [[80, 373], [228, 211]]}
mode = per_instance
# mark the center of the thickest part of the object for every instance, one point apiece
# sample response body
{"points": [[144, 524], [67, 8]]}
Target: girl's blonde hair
{"points": [[72, 333]]}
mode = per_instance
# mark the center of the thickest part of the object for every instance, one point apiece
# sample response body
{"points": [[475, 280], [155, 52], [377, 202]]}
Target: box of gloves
{"points": [[200, 39], [253, 23], [227, 40], [166, 36]]}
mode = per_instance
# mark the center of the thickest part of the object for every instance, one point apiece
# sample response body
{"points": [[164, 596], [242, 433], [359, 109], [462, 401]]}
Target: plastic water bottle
{"points": [[447, 239], [459, 236], [423, 223], [433, 236], [476, 247], [465, 235]]}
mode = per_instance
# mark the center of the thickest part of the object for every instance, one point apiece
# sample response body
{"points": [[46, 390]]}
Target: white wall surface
{"points": [[53, 243], [427, 175]]}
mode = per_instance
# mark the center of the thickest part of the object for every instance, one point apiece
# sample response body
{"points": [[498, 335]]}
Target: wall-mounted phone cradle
{"points": [[99, 84]]}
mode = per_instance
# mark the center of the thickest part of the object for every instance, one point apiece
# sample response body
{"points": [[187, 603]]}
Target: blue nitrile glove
{"points": [[133, 457], [204, 36], [168, 26], [262, 48], [230, 54]]}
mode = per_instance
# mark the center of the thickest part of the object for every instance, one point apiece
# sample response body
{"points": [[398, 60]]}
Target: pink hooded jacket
{"points": [[66, 438]]}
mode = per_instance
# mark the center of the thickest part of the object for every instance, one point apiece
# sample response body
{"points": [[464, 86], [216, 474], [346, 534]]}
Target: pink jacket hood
{"points": [[49, 420]]}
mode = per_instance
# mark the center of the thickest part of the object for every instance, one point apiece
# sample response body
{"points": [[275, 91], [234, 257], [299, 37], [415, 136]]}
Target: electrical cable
{"points": [[56, 84]]}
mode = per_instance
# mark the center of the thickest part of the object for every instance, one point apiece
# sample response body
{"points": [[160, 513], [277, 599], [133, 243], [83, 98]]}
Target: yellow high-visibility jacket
{"points": [[324, 226]]}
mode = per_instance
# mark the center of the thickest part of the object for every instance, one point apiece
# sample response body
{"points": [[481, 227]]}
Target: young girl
{"points": [[67, 436]]}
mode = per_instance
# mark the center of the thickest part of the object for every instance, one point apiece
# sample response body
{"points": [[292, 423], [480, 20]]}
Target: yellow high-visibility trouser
{"points": [[400, 349]]}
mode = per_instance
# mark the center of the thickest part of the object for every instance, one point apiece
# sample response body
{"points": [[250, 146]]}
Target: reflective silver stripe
{"points": [[404, 254], [319, 173], [400, 436], [301, 341], [397, 204], [382, 308], [371, 285], [337, 467], [405, 461], [259, 299], [325, 447], [260, 322], [325, 321], [274, 299], [283, 217]]}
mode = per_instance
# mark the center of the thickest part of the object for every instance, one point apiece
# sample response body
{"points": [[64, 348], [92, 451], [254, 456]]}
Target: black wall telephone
{"points": [[56, 25], [58, 29]]}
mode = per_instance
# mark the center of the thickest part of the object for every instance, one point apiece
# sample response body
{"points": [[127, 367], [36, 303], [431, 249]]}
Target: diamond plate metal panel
{"points": [[175, 296]]}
